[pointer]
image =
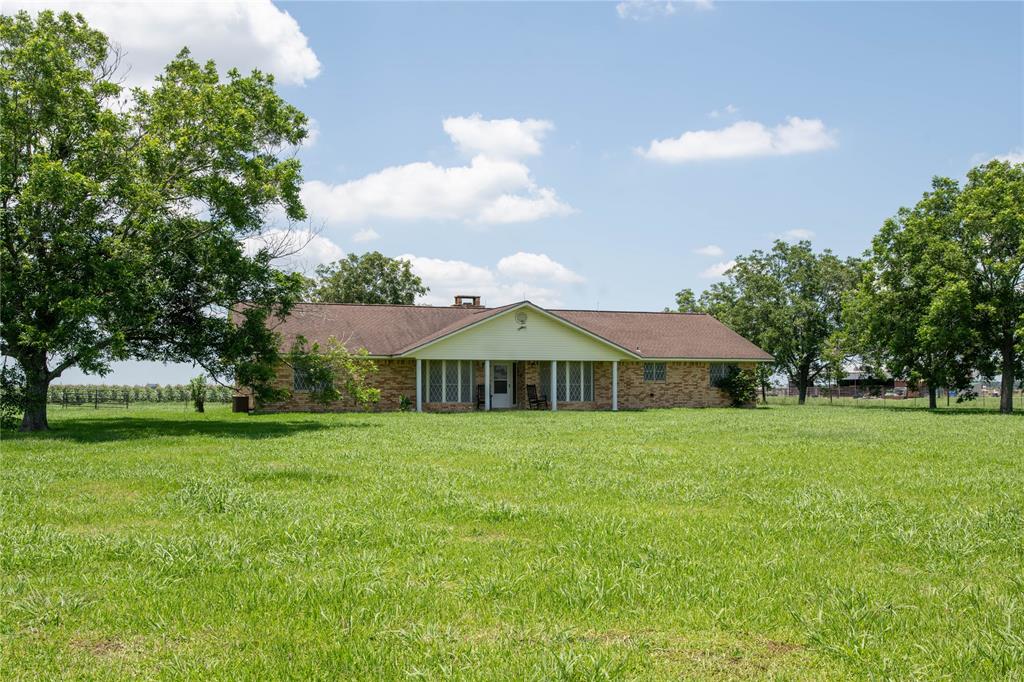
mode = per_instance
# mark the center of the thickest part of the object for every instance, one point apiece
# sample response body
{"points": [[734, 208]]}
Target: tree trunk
{"points": [[801, 384], [932, 396], [37, 383], [764, 394], [1006, 388]]}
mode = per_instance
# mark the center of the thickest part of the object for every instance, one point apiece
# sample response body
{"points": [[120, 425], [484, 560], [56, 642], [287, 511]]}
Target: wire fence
{"points": [[946, 401]]}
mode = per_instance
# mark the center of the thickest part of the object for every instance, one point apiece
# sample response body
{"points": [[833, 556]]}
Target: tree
{"points": [[197, 392], [990, 217], [122, 213], [788, 301], [323, 369], [369, 278], [912, 313]]}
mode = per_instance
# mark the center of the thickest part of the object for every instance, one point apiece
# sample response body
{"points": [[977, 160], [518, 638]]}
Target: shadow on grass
{"points": [[86, 430]]}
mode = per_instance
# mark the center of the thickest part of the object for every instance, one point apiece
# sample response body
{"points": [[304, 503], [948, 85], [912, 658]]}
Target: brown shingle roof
{"points": [[385, 330], [666, 335]]}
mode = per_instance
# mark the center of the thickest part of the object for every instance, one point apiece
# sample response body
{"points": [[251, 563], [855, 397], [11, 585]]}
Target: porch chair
{"points": [[534, 401]]}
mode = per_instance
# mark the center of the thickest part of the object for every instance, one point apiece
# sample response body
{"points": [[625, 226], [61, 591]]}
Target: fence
{"points": [[984, 401]]}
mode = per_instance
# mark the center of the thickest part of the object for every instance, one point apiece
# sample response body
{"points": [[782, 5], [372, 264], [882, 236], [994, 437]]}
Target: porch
{"points": [[449, 385]]}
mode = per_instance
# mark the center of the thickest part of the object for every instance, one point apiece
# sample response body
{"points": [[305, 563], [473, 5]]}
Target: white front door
{"points": [[501, 384]]}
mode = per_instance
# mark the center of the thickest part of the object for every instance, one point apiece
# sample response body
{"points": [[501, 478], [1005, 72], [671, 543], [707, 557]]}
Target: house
{"points": [[441, 358]]}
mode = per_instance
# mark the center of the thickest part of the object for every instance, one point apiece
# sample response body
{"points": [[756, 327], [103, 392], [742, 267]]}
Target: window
{"points": [[575, 381], [717, 372], [654, 371], [301, 381], [448, 381]]}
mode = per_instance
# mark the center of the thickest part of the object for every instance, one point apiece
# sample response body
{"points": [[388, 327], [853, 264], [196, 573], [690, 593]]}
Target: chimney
{"points": [[464, 301]]}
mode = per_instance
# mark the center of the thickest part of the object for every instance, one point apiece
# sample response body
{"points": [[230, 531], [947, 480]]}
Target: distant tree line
{"points": [[937, 299], [171, 393]]}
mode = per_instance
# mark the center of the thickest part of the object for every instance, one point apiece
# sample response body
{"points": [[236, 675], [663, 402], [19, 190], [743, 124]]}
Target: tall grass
{"points": [[779, 542]]}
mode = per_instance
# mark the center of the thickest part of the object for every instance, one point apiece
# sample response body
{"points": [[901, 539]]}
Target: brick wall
{"points": [[394, 378], [687, 384]]}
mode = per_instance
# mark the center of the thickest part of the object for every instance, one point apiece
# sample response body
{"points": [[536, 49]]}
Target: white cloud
{"points": [[727, 110], [645, 10], [367, 234], [497, 138], [245, 34], [297, 249], [533, 266], [798, 233], [497, 286], [717, 270], [710, 250], [642, 10], [491, 189], [1015, 156], [312, 133], [743, 139]]}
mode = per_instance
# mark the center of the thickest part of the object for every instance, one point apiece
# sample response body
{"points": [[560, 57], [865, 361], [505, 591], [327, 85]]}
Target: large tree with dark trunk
{"points": [[988, 253], [122, 212], [788, 301], [913, 313]]}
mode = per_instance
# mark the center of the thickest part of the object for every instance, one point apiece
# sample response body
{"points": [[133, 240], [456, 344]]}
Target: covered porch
{"points": [[456, 385]]}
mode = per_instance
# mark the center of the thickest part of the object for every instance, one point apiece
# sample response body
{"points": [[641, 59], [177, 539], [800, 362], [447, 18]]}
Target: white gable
{"points": [[507, 336]]}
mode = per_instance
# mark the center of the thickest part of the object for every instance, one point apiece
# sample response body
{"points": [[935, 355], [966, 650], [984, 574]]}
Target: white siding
{"points": [[500, 338]]}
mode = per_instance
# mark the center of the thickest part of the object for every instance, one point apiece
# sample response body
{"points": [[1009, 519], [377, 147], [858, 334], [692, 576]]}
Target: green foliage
{"points": [[12, 395], [780, 543], [323, 369], [912, 313], [405, 403], [197, 391], [788, 301], [740, 385], [124, 211], [943, 290], [369, 278]]}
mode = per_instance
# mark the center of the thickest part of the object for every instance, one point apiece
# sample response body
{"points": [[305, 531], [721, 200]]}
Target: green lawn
{"points": [[797, 543]]}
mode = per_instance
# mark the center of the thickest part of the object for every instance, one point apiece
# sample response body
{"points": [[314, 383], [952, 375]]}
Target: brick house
{"points": [[467, 357]]}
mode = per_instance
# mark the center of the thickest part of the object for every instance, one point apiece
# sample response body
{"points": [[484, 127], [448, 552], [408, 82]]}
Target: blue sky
{"points": [[819, 119]]}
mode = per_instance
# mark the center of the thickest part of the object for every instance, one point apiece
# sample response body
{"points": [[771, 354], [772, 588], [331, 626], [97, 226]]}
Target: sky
{"points": [[603, 155]]}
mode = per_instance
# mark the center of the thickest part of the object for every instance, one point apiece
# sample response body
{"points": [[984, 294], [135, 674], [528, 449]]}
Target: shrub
{"points": [[740, 385], [12, 395]]}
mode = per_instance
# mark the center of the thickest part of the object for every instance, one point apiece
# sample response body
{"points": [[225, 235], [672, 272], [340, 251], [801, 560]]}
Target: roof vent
{"points": [[464, 301]]}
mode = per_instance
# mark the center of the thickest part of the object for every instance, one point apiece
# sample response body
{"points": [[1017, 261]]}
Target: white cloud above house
{"points": [[727, 110], [644, 10], [495, 187], [1014, 156], [243, 34], [532, 266], [798, 234], [717, 270], [743, 139], [520, 276], [367, 234], [712, 250], [498, 138]]}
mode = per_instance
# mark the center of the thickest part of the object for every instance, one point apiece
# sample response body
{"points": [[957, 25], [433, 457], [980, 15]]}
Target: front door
{"points": [[501, 384]]}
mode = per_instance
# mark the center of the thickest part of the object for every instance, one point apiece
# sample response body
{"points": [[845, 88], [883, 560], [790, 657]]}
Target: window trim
{"points": [[711, 371], [655, 367], [460, 386], [562, 386]]}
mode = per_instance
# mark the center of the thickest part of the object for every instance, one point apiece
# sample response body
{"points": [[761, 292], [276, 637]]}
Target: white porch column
{"points": [[553, 393], [615, 385], [487, 385], [419, 385]]}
